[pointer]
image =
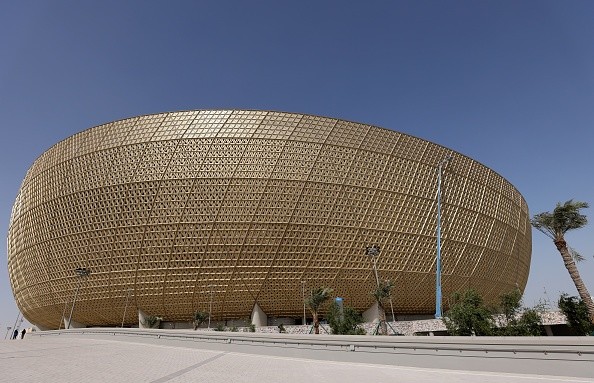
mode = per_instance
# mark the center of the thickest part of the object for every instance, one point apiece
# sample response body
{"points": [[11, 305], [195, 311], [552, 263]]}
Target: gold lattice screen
{"points": [[247, 204]]}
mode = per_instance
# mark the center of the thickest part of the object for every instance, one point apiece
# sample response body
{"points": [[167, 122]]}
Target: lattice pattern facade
{"points": [[246, 205]]}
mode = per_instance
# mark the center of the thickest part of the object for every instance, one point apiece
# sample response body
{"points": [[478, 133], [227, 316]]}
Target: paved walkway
{"points": [[73, 359]]}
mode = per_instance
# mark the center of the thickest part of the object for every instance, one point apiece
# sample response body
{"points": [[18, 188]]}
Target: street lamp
{"points": [[372, 252], [80, 272], [303, 296], [126, 307], [438, 312]]}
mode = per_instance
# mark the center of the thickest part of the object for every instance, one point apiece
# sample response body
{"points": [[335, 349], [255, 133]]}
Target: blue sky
{"points": [[508, 83]]}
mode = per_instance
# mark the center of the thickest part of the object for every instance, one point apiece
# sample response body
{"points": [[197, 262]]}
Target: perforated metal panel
{"points": [[248, 204]]}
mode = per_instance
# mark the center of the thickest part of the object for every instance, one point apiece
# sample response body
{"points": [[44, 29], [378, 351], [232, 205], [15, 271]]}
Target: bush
{"points": [[198, 318], [517, 320], [252, 327], [152, 321], [345, 324], [576, 312], [468, 315], [220, 327]]}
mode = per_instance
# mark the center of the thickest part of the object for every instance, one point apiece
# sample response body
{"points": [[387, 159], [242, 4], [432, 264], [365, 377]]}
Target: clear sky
{"points": [[508, 83]]}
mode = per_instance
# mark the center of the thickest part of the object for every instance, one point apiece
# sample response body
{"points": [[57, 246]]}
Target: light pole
{"points": [[303, 296], [80, 272], [391, 305], [372, 252], [210, 304], [438, 312], [126, 307]]}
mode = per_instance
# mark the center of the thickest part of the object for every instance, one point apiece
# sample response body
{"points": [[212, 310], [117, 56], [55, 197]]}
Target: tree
{"points": [[517, 320], [529, 324], [554, 225], [576, 312], [468, 315], [381, 294], [345, 323], [319, 296], [199, 318], [511, 304]]}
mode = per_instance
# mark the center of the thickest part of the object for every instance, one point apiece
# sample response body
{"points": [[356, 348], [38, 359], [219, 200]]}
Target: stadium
{"points": [[238, 211]]}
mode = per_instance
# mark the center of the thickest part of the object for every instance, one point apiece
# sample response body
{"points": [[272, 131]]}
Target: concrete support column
{"points": [[548, 330], [259, 318], [372, 313], [142, 319], [73, 324], [43, 328]]}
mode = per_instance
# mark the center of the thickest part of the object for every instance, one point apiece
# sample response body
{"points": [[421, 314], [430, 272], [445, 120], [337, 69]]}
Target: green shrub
{"points": [[347, 323], [517, 320], [576, 312], [468, 315], [198, 318], [152, 321]]}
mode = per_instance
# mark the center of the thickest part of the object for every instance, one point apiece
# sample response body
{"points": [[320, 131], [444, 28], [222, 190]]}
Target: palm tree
{"points": [[199, 317], [554, 225], [318, 297], [381, 293]]}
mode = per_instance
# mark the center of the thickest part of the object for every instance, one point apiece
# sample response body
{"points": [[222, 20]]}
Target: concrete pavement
{"points": [[86, 359]]}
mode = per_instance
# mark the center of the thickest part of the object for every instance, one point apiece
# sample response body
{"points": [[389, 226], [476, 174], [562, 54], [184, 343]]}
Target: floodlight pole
{"points": [[372, 252], [391, 306], [80, 272], [438, 310]]}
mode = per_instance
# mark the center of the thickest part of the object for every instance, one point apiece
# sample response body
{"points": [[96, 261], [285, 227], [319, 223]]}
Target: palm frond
{"points": [[565, 217], [383, 291], [318, 297], [543, 222], [577, 257]]}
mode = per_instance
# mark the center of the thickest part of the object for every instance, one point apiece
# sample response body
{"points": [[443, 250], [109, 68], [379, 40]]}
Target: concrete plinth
{"points": [[73, 324], [372, 313], [259, 318]]}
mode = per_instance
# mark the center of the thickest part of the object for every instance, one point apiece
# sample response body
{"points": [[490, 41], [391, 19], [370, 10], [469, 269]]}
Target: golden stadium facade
{"points": [[178, 211]]}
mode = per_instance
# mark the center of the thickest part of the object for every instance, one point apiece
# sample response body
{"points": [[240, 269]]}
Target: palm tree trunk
{"points": [[575, 276], [316, 323], [382, 318]]}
